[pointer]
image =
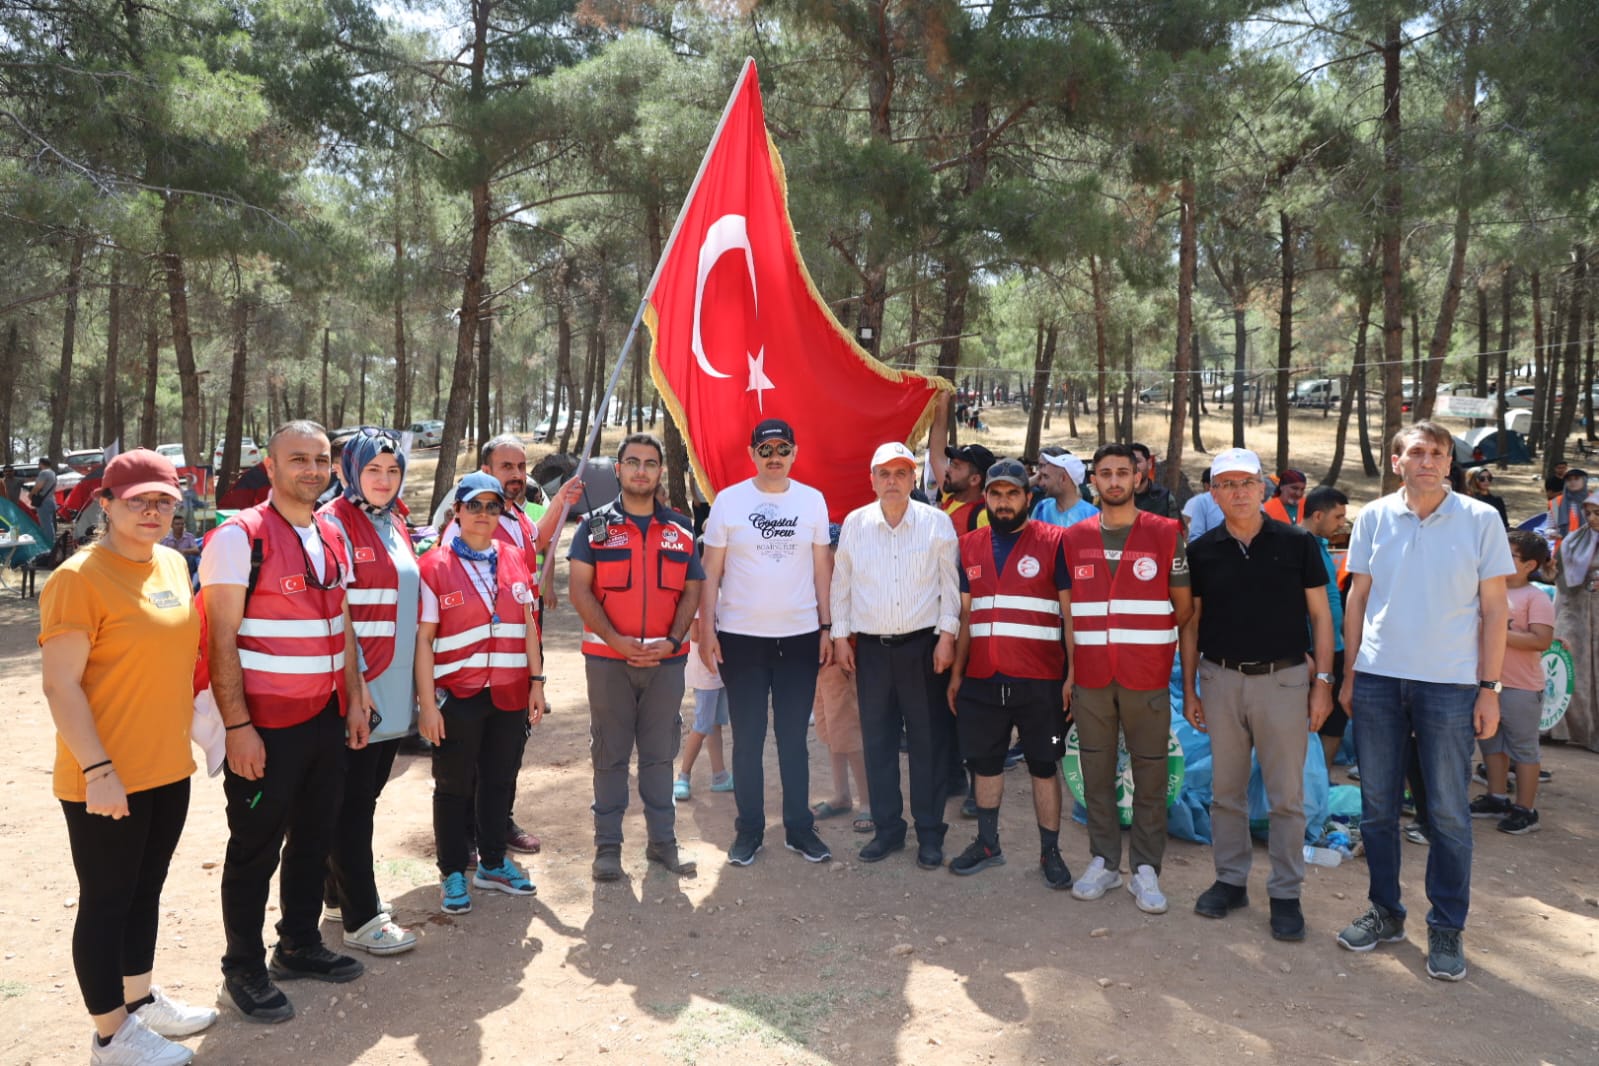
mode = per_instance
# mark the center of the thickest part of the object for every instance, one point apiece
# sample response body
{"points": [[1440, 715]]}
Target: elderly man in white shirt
{"points": [[896, 610]]}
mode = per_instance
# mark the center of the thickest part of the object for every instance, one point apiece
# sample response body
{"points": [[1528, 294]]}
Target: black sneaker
{"points": [[1220, 898], [745, 845], [807, 844], [1486, 806], [877, 849], [1056, 875], [1520, 820], [929, 856], [316, 963], [978, 856], [255, 997], [1287, 920]]}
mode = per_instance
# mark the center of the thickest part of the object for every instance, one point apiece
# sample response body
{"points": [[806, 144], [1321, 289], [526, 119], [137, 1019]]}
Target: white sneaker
{"points": [[331, 912], [1096, 880], [1145, 887], [381, 936], [135, 1045], [171, 1019]]}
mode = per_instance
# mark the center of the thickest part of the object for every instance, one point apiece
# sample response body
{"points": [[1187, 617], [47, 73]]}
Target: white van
{"points": [[1320, 392]]}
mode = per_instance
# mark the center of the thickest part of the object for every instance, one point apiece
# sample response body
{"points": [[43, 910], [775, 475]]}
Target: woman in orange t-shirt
{"points": [[120, 633]]}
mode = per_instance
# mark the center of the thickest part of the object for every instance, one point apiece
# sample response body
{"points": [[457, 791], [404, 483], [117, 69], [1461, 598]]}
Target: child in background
{"points": [[710, 715], [1532, 629], [836, 714]]}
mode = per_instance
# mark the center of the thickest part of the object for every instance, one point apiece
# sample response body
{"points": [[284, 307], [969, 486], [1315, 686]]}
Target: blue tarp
{"points": [[16, 521]]}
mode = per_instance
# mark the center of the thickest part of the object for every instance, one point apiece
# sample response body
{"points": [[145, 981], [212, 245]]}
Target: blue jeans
{"points": [[781, 670], [1434, 721]]}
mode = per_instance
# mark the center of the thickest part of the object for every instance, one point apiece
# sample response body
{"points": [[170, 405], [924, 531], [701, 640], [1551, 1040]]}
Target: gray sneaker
{"points": [[1377, 926], [1446, 958]]}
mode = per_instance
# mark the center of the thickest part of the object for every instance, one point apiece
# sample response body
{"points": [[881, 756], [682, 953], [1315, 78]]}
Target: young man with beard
{"points": [[636, 584], [1130, 593], [963, 486], [765, 619], [1150, 496], [1059, 475], [1013, 666]]}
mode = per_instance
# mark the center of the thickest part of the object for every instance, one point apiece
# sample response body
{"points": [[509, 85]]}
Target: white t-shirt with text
{"points": [[768, 586]]}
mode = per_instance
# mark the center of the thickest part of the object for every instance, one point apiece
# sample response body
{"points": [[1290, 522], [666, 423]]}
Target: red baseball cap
{"points": [[135, 472]]}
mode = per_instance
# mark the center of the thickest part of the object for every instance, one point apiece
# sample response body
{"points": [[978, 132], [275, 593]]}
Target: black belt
{"points": [[1265, 666], [894, 640]]}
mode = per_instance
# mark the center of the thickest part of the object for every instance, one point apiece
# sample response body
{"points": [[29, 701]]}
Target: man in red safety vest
{"points": [[1130, 593], [1012, 665]]}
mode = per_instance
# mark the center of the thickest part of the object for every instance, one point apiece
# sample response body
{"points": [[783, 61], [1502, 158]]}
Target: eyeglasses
{"points": [[493, 507], [633, 462], [141, 504], [1485, 477], [1235, 486], [782, 449]]}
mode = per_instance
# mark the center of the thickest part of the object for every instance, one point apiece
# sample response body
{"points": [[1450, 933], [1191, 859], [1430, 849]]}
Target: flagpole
{"points": [[548, 573]]}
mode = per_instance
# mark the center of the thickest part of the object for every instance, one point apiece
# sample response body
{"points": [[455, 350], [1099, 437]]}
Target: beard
{"points": [[1006, 524]]}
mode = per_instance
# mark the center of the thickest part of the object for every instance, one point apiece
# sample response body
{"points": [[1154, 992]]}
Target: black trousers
{"points": [[899, 690], [122, 864], [782, 669], [475, 769], [290, 811], [350, 884]]}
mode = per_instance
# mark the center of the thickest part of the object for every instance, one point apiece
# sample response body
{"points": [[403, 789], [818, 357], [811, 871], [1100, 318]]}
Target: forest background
{"points": [[223, 214]]}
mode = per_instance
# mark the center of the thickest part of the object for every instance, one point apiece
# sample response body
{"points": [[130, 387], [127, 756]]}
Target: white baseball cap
{"points": [[892, 452], [1235, 461], [1068, 462]]}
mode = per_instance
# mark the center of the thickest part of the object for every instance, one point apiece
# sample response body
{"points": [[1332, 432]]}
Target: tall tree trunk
{"points": [[10, 370], [1355, 381], [1570, 359], [112, 401], [563, 346], [1240, 298], [1285, 336], [1043, 366], [1540, 357], [1101, 381], [1506, 310], [1196, 404], [61, 395], [1587, 374], [957, 285], [1393, 307], [677, 463], [1187, 266], [402, 371], [149, 427], [234, 427], [1129, 390], [182, 339], [327, 358], [485, 369], [360, 403], [1479, 384]]}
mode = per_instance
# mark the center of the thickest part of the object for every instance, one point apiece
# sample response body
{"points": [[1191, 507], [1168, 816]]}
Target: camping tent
{"points": [[1479, 445]]}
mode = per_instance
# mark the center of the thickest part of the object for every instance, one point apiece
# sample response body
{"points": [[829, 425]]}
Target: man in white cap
{"points": [[1259, 587], [896, 611], [1059, 474], [1130, 593]]}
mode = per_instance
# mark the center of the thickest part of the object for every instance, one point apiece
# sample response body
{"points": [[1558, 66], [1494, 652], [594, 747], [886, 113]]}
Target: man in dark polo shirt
{"points": [[1256, 583]]}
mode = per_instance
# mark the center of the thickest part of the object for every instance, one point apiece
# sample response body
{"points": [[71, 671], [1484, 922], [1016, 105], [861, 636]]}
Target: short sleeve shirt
{"points": [[1530, 606], [1252, 598], [768, 586], [1423, 614]]}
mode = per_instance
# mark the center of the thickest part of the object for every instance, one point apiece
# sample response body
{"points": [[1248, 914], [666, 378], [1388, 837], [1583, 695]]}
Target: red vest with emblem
{"points": [[965, 516], [291, 638], [530, 539], [639, 578], [1015, 618], [472, 652], [374, 589], [1124, 628]]}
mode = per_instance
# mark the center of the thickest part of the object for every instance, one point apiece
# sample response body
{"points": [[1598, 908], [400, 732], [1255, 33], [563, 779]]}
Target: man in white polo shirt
{"points": [[1424, 634], [896, 610]]}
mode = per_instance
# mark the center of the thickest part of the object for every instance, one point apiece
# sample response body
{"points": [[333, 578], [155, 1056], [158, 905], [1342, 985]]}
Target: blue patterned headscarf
{"points": [[360, 450]]}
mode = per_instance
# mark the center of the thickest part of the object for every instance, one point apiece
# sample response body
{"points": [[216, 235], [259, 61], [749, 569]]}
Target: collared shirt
{"points": [[889, 580], [1423, 615], [1252, 597], [185, 543], [1047, 510], [1204, 514], [1335, 597]]}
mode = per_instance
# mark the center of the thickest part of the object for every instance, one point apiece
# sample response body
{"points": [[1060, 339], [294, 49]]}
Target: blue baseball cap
{"points": [[476, 484]]}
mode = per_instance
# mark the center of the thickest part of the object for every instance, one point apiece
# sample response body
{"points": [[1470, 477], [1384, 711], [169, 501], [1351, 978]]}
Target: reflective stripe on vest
{"points": [[471, 652], [1015, 619], [374, 592], [639, 578], [1123, 624]]}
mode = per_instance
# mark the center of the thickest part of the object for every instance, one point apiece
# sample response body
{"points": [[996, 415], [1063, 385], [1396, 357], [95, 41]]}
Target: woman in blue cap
{"points": [[384, 598], [480, 684]]}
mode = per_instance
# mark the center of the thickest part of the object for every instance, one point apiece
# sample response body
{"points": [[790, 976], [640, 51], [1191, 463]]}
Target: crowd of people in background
{"points": [[966, 619]]}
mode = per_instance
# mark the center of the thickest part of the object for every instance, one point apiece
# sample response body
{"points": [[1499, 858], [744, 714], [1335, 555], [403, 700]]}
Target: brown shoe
{"points": [[608, 862], [665, 853], [521, 841]]}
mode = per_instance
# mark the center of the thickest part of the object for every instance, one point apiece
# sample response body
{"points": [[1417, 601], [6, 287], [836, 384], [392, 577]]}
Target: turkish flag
{"points": [[740, 333]]}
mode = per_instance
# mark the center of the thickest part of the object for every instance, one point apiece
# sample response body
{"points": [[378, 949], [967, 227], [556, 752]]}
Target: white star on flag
{"points": [[759, 382]]}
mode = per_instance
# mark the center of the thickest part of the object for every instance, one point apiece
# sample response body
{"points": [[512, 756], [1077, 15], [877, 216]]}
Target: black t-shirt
{"points": [[1253, 600]]}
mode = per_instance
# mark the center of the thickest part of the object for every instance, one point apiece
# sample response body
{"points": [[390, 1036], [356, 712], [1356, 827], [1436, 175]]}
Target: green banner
{"points": [[1071, 766], [1559, 682]]}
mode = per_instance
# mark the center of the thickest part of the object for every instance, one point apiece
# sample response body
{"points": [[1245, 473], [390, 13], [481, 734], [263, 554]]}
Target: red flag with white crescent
{"points": [[740, 333]]}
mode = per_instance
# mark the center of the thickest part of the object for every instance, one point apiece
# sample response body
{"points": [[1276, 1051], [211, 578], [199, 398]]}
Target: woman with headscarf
{"points": [[480, 684], [120, 633], [1565, 510], [384, 597], [1479, 486], [1577, 625]]}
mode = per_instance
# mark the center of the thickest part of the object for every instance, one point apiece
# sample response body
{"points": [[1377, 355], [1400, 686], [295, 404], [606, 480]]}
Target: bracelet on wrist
{"points": [[101, 777], [827, 625], [96, 766], [540, 678], [240, 725]]}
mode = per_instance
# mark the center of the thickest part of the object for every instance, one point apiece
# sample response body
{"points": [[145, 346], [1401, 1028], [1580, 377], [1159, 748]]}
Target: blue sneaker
{"points": [[723, 783], [457, 900], [504, 878]]}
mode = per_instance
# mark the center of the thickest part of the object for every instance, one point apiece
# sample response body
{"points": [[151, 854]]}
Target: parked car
{"points": [[1319, 392], [545, 433], [1153, 394], [428, 434], [1225, 393], [173, 452], [249, 454], [75, 465], [1521, 396]]}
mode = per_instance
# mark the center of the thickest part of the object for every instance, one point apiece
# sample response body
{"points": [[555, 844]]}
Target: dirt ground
{"points": [[842, 963]]}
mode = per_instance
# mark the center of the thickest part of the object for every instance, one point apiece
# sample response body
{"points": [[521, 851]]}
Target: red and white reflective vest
{"points": [[1123, 627], [291, 638], [639, 577], [1015, 622], [472, 652], [374, 589]]}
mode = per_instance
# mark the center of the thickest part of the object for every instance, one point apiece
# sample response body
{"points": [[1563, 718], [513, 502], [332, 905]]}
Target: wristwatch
{"points": [[1495, 687], [1325, 679], [677, 645]]}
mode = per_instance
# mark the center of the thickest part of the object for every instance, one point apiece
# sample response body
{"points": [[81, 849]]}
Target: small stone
{"points": [[1286, 967], [605, 947], [1104, 982], [208, 866], [1339, 895], [1101, 931], [70, 902], [1113, 1060], [903, 949], [940, 940]]}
